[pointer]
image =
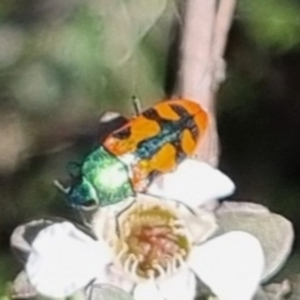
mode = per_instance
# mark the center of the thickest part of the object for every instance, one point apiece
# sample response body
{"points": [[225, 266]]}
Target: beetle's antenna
{"points": [[136, 105], [61, 187]]}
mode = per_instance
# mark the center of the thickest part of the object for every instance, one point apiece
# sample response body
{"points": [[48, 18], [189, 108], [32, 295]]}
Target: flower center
{"points": [[153, 241]]}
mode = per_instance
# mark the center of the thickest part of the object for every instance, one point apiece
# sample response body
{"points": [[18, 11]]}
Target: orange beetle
{"points": [[158, 139], [130, 157]]}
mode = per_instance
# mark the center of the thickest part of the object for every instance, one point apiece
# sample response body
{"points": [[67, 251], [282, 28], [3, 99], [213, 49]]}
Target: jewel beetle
{"points": [[128, 159]]}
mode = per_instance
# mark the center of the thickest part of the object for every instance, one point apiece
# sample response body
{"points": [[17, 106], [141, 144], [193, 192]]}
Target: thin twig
{"points": [[222, 26], [194, 72], [201, 67]]}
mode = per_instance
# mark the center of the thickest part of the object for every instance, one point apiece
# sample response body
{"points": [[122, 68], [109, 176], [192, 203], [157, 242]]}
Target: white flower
{"points": [[193, 183], [153, 248], [152, 254], [62, 260]]}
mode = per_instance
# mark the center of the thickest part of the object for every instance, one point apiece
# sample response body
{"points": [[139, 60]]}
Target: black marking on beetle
{"points": [[180, 154], [193, 128], [189, 120], [123, 133], [180, 110], [152, 114]]}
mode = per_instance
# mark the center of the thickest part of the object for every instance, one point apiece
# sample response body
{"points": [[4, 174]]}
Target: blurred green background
{"points": [[64, 62]]}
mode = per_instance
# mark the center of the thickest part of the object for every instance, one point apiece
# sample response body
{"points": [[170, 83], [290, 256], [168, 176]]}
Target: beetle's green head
{"points": [[103, 180], [108, 175], [80, 194], [83, 194]]}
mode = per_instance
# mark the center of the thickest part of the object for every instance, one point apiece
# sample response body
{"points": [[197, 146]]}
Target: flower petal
{"points": [[275, 233], [231, 265], [64, 259], [200, 223], [193, 183], [147, 290], [108, 292], [22, 237], [115, 277], [179, 286]]}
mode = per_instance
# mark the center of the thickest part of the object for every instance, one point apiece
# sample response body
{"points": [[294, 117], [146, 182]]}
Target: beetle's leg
{"points": [[63, 189]]}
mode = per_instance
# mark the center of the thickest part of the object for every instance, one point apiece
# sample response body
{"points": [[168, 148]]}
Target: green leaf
{"points": [[273, 24]]}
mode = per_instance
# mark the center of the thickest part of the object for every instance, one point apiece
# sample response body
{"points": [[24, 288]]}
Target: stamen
{"points": [[153, 241], [160, 270], [150, 274], [128, 263], [179, 259], [122, 252], [134, 265], [175, 223], [169, 269], [183, 252], [174, 264], [180, 231], [132, 259]]}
